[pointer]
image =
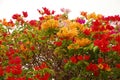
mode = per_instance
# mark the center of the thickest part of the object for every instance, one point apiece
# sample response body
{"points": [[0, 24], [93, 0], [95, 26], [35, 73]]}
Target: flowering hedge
{"points": [[57, 48]]}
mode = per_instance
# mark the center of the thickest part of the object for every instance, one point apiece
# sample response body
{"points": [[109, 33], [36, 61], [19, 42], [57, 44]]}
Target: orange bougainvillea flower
{"points": [[100, 66], [22, 47], [50, 24], [8, 24], [83, 14]]}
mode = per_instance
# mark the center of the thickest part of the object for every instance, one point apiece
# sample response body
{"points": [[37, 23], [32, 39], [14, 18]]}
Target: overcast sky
{"points": [[106, 7]]}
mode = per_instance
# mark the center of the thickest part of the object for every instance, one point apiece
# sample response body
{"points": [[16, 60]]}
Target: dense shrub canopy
{"points": [[55, 47]]}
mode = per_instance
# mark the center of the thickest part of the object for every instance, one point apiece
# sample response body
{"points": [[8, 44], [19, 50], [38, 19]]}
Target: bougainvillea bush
{"points": [[55, 47]]}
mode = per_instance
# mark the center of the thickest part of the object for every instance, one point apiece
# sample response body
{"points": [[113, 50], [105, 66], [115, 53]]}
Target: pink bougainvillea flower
{"points": [[25, 14], [81, 21], [66, 11]]}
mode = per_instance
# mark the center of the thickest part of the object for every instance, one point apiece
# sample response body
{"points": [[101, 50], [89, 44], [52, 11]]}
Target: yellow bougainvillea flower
{"points": [[50, 24], [47, 17], [73, 46], [82, 42], [92, 15], [65, 32]]}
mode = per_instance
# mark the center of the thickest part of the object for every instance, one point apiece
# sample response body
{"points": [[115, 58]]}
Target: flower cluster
{"points": [[56, 47]]}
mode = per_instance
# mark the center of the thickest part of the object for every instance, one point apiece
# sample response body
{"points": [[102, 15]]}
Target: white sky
{"points": [[106, 7]]}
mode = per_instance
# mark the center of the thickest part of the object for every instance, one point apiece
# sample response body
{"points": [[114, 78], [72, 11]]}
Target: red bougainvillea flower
{"points": [[92, 67], [32, 48], [87, 31], [0, 42], [33, 22], [16, 60], [80, 57], [58, 43], [86, 57], [106, 67], [25, 14], [95, 25], [116, 48], [29, 79], [100, 60], [112, 18], [14, 78], [16, 16], [46, 10], [40, 11], [11, 78], [73, 59], [46, 76], [65, 60], [117, 39], [96, 73], [42, 66], [41, 18], [109, 27], [102, 44], [16, 69], [52, 12], [8, 69], [1, 71], [10, 52], [118, 66]]}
